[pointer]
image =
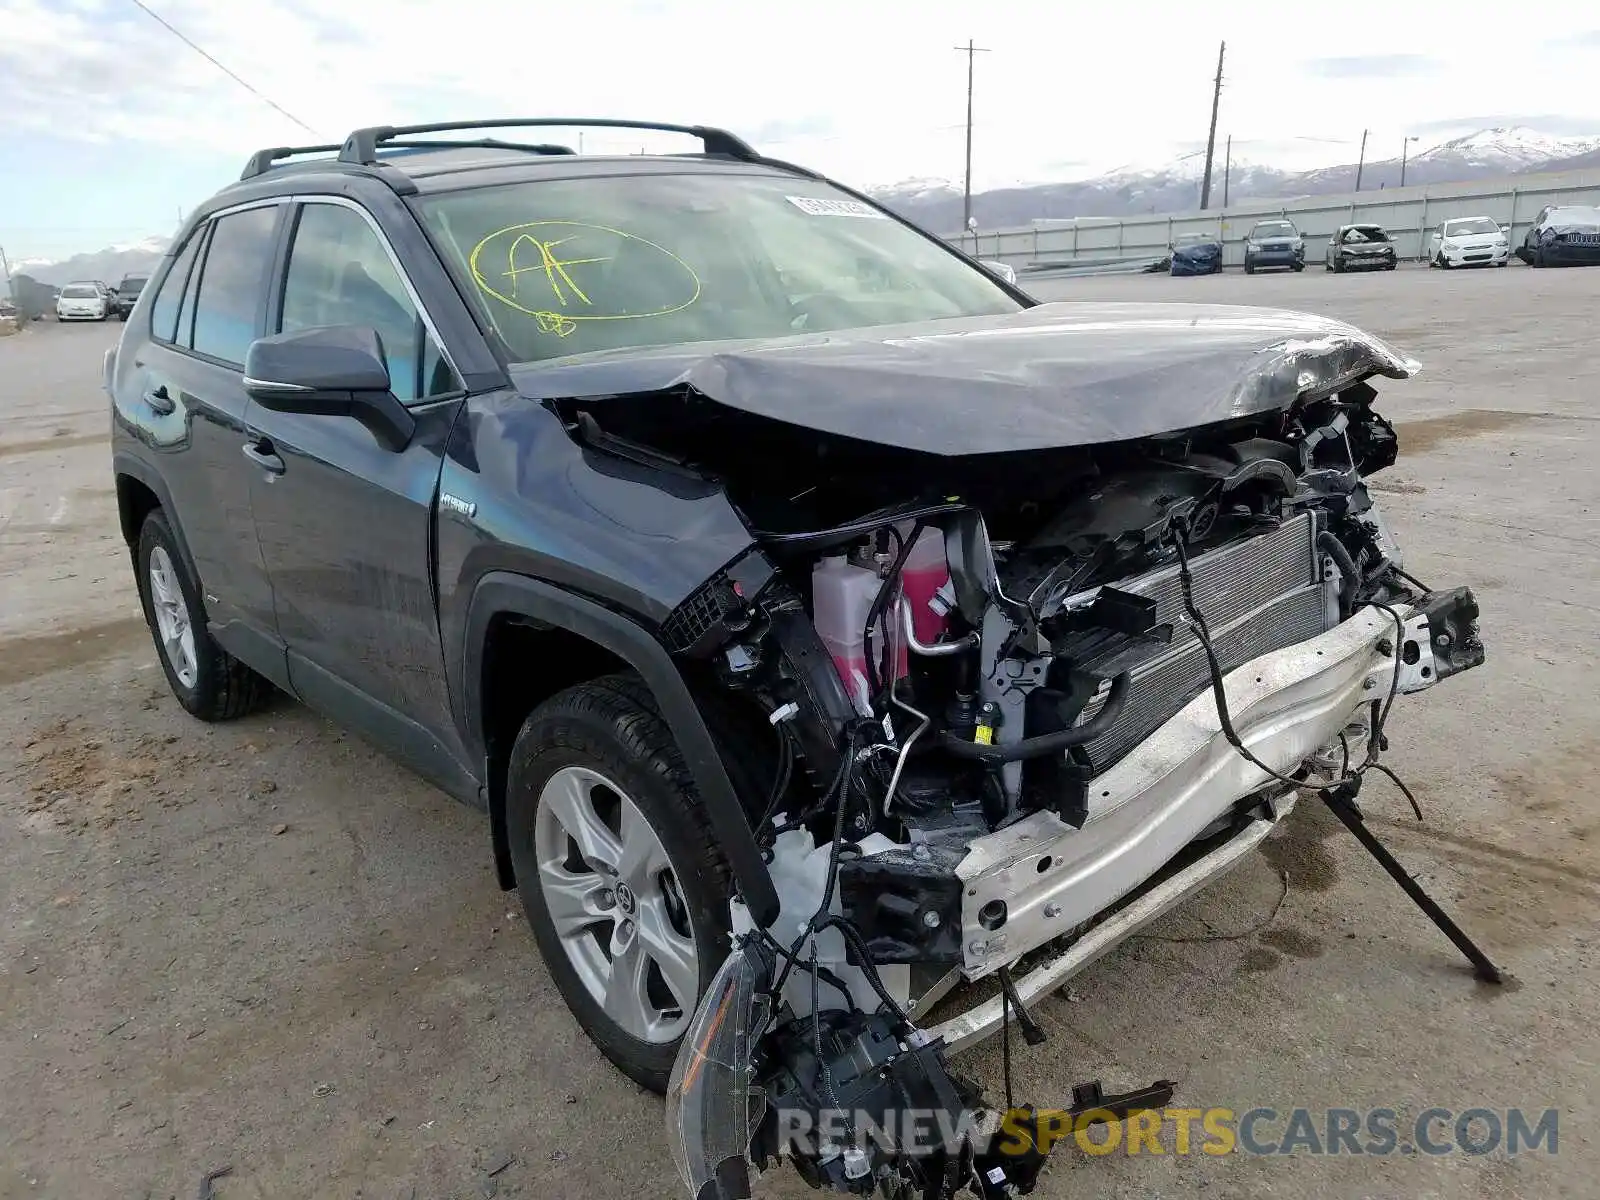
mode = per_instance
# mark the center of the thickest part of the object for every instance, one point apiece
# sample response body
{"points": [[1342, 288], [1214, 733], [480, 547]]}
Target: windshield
{"points": [[1194, 239], [569, 266], [1576, 215], [80, 291], [132, 285], [1269, 229], [1365, 233], [1469, 227]]}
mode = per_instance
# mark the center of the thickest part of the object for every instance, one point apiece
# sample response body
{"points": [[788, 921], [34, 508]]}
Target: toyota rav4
{"points": [[844, 647]]}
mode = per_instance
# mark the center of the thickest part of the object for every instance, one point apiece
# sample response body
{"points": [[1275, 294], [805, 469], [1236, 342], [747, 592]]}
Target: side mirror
{"points": [[331, 371], [1505, 229]]}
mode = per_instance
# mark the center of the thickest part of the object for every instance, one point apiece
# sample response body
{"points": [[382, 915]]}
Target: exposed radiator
{"points": [[1257, 595]]}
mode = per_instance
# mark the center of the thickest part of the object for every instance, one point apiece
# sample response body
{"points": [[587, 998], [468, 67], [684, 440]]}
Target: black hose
{"points": [[1045, 743], [814, 539], [880, 602], [1347, 570]]}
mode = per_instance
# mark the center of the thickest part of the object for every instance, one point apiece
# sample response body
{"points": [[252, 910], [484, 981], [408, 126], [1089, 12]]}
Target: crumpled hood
{"points": [[1056, 375], [1197, 250]]}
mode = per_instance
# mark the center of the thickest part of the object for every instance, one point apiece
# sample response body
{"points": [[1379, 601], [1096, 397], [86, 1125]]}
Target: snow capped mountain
{"points": [[1175, 187], [918, 189], [1516, 148], [149, 245], [110, 264]]}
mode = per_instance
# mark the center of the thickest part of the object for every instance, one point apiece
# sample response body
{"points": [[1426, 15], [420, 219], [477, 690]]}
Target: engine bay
{"points": [[933, 670]]}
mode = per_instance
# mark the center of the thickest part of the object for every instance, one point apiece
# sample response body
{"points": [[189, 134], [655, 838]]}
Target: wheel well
{"points": [[135, 502], [526, 662]]}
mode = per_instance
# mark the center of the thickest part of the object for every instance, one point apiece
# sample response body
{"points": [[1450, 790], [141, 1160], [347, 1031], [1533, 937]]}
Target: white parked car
{"points": [[1469, 241], [83, 302]]}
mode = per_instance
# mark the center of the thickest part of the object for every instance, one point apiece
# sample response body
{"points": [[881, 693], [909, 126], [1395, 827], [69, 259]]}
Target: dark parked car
{"points": [[1196, 254], [1275, 243], [660, 506], [1360, 248], [128, 294], [1563, 236]]}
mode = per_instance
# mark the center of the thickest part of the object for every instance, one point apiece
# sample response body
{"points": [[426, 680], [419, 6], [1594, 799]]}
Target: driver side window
{"points": [[340, 274]]}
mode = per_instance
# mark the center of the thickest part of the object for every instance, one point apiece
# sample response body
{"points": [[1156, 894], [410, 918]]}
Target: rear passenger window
{"points": [[164, 312], [231, 282], [340, 274]]}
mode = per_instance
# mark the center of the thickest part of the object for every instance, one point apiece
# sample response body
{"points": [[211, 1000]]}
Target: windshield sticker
{"points": [[560, 273], [818, 206]]}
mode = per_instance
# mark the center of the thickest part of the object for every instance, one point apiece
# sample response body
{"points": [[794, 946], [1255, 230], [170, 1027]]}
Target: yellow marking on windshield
{"points": [[555, 269], [556, 273]]}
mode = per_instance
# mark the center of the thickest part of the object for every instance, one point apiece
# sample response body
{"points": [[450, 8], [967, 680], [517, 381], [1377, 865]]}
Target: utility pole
{"points": [[1227, 169], [1362, 161], [972, 52], [1404, 146], [1211, 138], [5, 267]]}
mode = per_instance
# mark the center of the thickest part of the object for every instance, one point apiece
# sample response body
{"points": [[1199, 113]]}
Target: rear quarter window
{"points": [[232, 282], [164, 312]]}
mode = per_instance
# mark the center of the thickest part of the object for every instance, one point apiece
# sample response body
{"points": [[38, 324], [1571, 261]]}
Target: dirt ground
{"points": [[263, 947]]}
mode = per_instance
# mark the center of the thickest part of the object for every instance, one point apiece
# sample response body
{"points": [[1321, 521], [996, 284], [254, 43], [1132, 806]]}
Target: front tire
{"points": [[620, 875], [208, 681]]}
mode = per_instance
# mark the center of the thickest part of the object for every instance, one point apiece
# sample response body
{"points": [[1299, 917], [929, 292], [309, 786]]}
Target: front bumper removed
{"points": [[1175, 813]]}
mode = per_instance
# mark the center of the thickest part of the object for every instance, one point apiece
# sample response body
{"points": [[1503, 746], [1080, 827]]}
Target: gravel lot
{"points": [[262, 946]]}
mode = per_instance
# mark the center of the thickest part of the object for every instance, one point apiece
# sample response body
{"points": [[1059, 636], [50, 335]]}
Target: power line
{"points": [[167, 25]]}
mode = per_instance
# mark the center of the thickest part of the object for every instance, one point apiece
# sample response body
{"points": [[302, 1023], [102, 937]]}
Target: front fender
{"points": [[501, 592]]}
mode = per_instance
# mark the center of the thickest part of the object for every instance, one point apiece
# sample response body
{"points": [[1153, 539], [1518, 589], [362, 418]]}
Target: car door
{"points": [[346, 523], [189, 411]]}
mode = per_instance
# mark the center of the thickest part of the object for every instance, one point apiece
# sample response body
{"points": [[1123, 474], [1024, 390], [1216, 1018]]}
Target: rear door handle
{"points": [[262, 454], [159, 401]]}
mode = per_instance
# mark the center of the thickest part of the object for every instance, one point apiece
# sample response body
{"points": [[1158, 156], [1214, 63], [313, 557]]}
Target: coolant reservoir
{"points": [[842, 596], [926, 570]]}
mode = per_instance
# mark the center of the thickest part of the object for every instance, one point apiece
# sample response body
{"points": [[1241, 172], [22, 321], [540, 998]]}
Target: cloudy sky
{"points": [[110, 125]]}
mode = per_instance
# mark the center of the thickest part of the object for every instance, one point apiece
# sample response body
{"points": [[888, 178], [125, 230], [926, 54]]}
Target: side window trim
{"points": [[275, 318], [196, 240], [183, 339]]}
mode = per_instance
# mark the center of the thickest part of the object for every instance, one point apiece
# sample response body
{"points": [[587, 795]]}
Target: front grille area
{"points": [[1257, 596]]}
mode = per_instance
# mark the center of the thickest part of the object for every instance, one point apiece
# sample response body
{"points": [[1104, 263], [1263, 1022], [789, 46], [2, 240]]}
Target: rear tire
{"points": [[208, 681], [606, 830]]}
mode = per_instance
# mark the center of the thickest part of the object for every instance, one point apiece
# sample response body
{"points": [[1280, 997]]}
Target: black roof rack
{"points": [[361, 147], [262, 160]]}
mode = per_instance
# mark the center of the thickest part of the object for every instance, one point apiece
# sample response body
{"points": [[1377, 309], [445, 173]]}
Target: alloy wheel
{"points": [[613, 897], [172, 618]]}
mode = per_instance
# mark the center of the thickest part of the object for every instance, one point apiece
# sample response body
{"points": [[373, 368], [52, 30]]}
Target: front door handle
{"points": [[159, 402], [262, 454]]}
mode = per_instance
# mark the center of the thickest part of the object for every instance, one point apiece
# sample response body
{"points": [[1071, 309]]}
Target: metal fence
{"points": [[1409, 214]]}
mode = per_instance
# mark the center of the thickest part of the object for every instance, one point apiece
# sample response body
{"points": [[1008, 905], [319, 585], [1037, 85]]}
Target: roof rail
{"points": [[480, 144], [362, 146], [262, 160]]}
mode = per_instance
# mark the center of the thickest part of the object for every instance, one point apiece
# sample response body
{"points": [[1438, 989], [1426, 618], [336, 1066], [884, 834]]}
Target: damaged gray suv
{"points": [[844, 647]]}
